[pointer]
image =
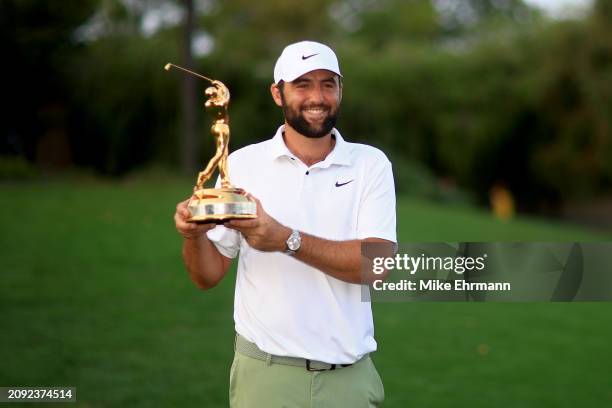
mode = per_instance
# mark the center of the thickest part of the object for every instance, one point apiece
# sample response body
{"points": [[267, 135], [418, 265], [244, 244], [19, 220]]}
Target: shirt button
{"points": [[308, 172]]}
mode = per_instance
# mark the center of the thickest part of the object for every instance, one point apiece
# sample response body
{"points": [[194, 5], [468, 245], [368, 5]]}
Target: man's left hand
{"points": [[264, 232]]}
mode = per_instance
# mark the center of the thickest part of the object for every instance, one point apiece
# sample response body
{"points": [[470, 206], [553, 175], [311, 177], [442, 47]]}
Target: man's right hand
{"points": [[204, 262], [189, 230]]}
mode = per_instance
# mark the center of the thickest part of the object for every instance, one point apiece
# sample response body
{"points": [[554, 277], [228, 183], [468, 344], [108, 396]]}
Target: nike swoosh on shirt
{"points": [[343, 184], [305, 57]]}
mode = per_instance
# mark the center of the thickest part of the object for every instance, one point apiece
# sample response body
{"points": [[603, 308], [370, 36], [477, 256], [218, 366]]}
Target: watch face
{"points": [[293, 243]]}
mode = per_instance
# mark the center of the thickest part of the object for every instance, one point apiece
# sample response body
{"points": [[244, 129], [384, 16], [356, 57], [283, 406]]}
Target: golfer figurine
{"points": [[228, 202], [217, 105]]}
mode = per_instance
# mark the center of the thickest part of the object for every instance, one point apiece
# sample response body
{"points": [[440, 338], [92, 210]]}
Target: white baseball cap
{"points": [[302, 57]]}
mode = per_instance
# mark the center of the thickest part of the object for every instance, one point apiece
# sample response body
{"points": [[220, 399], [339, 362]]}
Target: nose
{"points": [[316, 94]]}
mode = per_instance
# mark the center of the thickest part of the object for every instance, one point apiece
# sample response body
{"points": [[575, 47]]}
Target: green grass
{"points": [[94, 295]]}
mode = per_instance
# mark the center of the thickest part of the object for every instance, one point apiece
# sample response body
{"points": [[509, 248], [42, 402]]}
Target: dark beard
{"points": [[298, 122]]}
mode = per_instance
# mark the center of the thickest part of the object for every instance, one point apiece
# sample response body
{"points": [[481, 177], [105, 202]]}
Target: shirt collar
{"points": [[340, 155]]}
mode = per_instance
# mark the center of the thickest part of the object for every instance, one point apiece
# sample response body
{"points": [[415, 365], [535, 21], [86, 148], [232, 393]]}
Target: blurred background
{"points": [[496, 115], [489, 102]]}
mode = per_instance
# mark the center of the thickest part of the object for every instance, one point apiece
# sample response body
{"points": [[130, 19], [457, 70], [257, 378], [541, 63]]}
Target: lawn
{"points": [[94, 295]]}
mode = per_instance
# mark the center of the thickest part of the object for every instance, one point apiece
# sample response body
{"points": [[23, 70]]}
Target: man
{"points": [[304, 333]]}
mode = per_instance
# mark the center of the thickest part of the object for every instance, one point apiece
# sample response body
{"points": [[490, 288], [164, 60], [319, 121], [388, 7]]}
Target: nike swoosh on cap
{"points": [[343, 184], [305, 57]]}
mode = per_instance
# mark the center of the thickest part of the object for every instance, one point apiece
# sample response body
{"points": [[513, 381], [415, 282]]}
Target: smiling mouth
{"points": [[316, 113]]}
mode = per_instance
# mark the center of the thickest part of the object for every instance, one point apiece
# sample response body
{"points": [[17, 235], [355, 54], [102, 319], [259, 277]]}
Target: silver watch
{"points": [[293, 242]]}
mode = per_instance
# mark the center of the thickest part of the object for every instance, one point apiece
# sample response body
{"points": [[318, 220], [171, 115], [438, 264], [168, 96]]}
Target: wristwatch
{"points": [[293, 242]]}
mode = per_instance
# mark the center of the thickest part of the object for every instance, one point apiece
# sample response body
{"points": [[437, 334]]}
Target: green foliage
{"points": [[526, 104], [380, 24], [16, 168], [478, 91], [36, 41], [245, 32], [125, 102], [413, 179]]}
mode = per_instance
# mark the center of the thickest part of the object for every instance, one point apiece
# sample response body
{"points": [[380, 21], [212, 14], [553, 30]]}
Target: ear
{"points": [[339, 88], [275, 91]]}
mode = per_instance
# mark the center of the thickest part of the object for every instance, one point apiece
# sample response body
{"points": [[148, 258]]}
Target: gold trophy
{"points": [[228, 202]]}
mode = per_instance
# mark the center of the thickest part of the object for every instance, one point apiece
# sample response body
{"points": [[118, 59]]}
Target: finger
{"points": [[252, 197], [182, 204], [181, 217], [242, 224], [182, 211], [183, 226], [193, 229], [203, 227], [260, 209]]}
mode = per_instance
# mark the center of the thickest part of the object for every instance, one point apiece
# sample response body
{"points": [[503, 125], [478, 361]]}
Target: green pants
{"points": [[257, 384]]}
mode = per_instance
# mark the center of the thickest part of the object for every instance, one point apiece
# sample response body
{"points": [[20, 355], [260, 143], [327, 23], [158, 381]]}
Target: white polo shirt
{"points": [[283, 305]]}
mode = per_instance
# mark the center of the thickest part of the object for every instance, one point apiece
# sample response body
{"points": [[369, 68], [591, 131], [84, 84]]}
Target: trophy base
{"points": [[217, 205]]}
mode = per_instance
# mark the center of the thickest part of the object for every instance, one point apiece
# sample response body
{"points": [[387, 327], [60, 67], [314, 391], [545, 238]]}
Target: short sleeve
{"points": [[377, 209], [226, 240]]}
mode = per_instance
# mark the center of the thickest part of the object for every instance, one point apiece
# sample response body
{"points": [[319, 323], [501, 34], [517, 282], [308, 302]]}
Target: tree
{"points": [[36, 41], [190, 145]]}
